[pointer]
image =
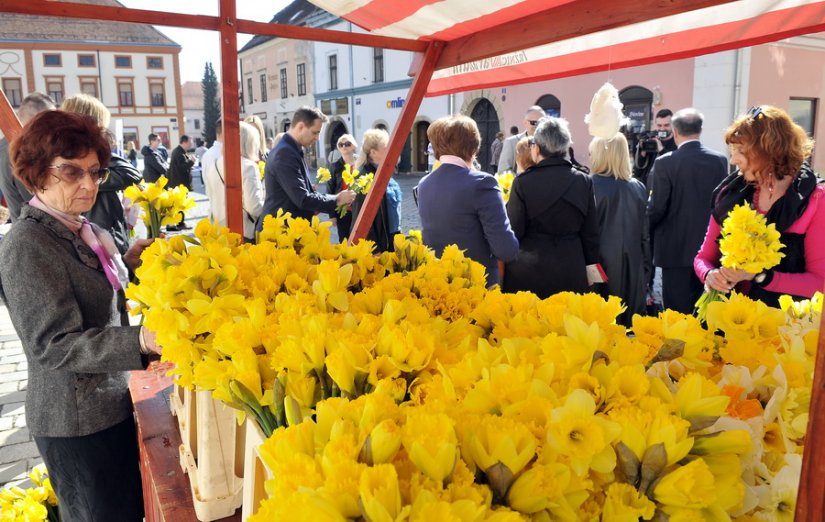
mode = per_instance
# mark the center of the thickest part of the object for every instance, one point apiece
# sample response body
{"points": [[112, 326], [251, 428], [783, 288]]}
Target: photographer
{"points": [[652, 145]]}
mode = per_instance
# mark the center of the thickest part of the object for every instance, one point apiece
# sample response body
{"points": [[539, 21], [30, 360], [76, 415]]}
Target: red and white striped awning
{"points": [[583, 36]]}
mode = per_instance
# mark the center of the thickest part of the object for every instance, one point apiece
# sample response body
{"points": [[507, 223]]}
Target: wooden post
{"points": [[230, 115], [399, 135], [9, 123], [810, 501]]}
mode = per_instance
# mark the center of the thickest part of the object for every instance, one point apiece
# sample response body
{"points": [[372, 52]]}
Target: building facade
{"points": [[275, 73], [192, 100], [789, 74], [132, 68]]}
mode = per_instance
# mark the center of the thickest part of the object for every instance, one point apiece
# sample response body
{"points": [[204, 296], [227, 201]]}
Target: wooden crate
{"points": [[211, 453], [255, 472]]}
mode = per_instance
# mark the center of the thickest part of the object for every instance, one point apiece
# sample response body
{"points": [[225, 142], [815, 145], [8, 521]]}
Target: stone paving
{"points": [[18, 452]]}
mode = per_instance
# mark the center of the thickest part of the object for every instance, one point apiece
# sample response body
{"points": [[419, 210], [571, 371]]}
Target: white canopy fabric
{"points": [[711, 29]]}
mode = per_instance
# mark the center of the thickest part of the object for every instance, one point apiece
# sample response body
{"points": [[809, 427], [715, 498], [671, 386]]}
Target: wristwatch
{"points": [[762, 278]]}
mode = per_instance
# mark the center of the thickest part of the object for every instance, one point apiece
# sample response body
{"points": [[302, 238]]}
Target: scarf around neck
{"points": [[97, 239]]}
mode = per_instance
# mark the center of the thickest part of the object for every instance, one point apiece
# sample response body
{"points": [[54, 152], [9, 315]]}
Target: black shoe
{"points": [[184, 226], [172, 228]]}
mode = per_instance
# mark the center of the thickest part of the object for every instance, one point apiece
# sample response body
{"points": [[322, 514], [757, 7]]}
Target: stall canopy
{"points": [[485, 40]]}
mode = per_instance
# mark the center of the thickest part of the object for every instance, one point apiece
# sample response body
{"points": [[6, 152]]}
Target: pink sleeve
{"points": [[812, 224], [708, 256]]}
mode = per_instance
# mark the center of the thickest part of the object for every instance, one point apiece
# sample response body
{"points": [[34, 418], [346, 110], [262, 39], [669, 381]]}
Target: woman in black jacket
{"points": [[347, 147], [553, 213]]}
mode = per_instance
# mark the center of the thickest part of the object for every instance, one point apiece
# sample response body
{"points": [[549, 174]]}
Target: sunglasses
{"points": [[755, 112], [345, 144], [533, 123], [72, 173]]}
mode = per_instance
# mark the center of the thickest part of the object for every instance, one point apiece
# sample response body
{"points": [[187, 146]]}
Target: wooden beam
{"points": [[328, 35], [810, 502], [230, 114], [145, 16], [559, 23], [108, 13], [399, 135], [9, 123]]}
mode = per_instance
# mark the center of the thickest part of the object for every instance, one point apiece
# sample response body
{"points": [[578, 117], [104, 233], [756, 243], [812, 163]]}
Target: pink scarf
{"points": [[95, 238]]}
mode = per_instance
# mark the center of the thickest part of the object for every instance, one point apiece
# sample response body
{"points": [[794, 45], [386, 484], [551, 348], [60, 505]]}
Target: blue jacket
{"points": [[464, 207], [288, 186]]}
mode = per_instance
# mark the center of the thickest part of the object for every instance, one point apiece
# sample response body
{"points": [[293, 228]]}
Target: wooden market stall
{"points": [[506, 42]]}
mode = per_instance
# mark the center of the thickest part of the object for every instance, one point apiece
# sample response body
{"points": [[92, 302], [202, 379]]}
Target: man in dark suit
{"points": [[154, 166], [180, 173], [286, 178], [681, 184]]}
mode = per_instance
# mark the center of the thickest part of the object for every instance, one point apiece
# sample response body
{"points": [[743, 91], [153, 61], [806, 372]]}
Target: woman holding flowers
{"points": [[460, 205], [62, 280], [387, 221], [774, 179], [347, 147]]}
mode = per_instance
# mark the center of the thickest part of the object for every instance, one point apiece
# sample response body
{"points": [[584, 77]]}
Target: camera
{"points": [[647, 140]]}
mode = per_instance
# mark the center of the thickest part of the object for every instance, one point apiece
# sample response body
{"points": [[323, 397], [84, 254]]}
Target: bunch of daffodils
{"points": [[747, 243], [355, 181], [323, 175], [37, 504], [397, 387], [505, 183], [160, 206]]}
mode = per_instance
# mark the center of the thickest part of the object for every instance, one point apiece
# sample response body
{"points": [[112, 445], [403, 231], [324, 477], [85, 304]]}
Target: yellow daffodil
{"points": [[689, 486], [624, 503], [431, 443], [380, 497]]}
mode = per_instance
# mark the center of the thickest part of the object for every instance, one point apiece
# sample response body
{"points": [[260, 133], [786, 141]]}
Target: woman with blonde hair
{"points": [[107, 211], [251, 187], [774, 178], [624, 244], [256, 122], [387, 220], [524, 158]]}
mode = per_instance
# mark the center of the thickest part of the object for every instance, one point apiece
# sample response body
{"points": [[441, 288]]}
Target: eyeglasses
{"points": [[533, 123], [755, 112], [345, 144], [72, 173]]}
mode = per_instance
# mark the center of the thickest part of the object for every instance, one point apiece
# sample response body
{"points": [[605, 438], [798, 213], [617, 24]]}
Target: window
{"points": [[803, 112], [262, 79], [54, 88], [333, 72], [283, 83], [249, 90], [126, 94], [154, 62], [197, 125], [13, 87], [86, 60], [89, 86], [302, 79], [156, 95], [52, 60], [378, 65], [123, 62]]}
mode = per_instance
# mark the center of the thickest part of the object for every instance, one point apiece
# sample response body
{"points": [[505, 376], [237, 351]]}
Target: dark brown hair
{"points": [[53, 134], [771, 141], [455, 136]]}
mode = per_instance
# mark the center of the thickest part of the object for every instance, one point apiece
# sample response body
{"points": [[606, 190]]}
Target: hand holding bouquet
{"points": [[748, 243], [161, 206], [357, 182]]}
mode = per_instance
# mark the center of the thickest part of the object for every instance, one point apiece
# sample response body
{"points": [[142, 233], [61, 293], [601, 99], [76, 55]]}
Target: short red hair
{"points": [[771, 141], [53, 134]]}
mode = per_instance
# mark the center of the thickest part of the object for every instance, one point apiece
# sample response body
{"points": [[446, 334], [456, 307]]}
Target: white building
{"points": [[361, 88], [132, 68], [192, 99]]}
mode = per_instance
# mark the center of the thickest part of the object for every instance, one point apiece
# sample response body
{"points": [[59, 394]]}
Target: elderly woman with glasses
{"points": [[347, 147], [62, 280], [774, 178], [553, 213]]}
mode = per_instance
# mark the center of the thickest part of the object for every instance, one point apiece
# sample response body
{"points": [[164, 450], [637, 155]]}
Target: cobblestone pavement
{"points": [[18, 452]]}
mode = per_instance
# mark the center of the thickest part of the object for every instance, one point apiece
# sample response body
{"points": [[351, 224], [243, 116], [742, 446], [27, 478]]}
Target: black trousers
{"points": [[96, 477], [344, 226], [681, 289]]}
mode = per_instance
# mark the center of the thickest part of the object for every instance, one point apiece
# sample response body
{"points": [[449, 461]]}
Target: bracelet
{"points": [[143, 349]]}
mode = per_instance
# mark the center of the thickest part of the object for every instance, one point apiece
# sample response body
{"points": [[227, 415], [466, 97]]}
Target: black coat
{"points": [[681, 185], [553, 214], [180, 168], [107, 212], [154, 166], [379, 231], [625, 244]]}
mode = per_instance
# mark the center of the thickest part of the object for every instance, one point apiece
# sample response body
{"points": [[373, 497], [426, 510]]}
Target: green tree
{"points": [[211, 103]]}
